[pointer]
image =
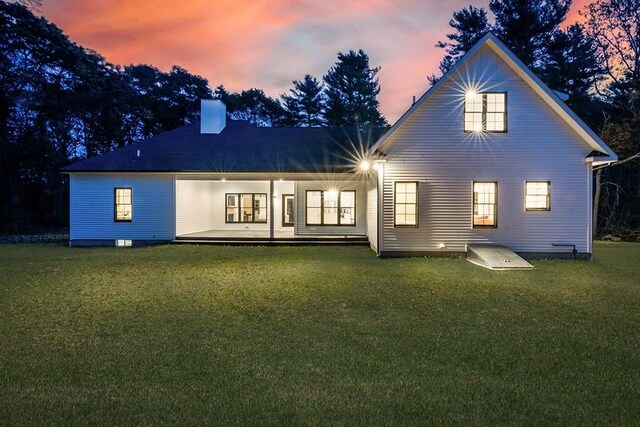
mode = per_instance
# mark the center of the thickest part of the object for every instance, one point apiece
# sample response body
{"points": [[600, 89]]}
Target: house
{"points": [[489, 154]]}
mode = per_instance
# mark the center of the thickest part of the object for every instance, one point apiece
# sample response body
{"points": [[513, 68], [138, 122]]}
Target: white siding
{"points": [[430, 147], [92, 207], [372, 213], [193, 206], [360, 229]]}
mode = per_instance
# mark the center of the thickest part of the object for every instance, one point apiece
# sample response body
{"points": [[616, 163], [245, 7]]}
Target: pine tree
{"points": [[573, 68], [352, 89], [528, 26], [305, 106], [471, 24], [252, 105]]}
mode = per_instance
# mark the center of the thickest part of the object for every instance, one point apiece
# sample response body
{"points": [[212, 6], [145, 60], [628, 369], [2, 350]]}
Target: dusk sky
{"points": [[268, 43]]}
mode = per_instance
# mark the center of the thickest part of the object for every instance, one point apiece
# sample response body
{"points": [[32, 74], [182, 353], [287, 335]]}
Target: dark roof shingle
{"points": [[240, 147]]}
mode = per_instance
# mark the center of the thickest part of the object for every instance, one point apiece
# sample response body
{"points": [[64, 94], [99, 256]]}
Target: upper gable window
{"points": [[485, 112]]}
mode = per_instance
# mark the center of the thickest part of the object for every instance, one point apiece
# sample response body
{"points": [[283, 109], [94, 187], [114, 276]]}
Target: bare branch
{"points": [[619, 162]]}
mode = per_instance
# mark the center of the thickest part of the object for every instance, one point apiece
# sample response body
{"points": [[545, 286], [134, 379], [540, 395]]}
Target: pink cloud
{"points": [[267, 43]]}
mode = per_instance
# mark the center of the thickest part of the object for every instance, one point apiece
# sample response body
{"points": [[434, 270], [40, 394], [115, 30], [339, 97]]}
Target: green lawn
{"points": [[314, 335]]}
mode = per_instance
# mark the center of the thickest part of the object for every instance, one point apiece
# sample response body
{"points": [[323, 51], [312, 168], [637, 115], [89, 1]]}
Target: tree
{"points": [[573, 67], [471, 24], [352, 88], [305, 106], [60, 102], [40, 70], [252, 105], [619, 136], [165, 101], [528, 26], [614, 26]]}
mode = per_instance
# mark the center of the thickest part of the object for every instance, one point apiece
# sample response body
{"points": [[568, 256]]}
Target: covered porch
{"points": [[239, 210]]}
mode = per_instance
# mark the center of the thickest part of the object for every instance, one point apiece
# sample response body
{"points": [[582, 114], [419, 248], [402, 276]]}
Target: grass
{"points": [[315, 335]]}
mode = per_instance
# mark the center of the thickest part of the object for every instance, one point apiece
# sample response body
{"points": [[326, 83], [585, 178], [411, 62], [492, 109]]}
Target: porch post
{"points": [[271, 210]]}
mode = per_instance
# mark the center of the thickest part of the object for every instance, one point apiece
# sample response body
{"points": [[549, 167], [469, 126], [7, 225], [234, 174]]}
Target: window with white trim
{"points": [[246, 207], [485, 204], [406, 204], [123, 205], [485, 112], [330, 207], [537, 196]]}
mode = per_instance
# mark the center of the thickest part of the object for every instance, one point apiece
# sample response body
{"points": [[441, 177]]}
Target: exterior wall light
{"points": [[365, 165], [377, 166]]}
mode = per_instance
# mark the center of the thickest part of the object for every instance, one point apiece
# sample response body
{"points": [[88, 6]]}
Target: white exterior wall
{"points": [[431, 147], [92, 207], [360, 229], [194, 206]]}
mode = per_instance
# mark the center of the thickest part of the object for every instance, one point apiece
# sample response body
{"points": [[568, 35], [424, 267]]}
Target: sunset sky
{"points": [[268, 43]]}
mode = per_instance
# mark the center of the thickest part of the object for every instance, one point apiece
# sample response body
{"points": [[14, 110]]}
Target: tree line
{"points": [[60, 102]]}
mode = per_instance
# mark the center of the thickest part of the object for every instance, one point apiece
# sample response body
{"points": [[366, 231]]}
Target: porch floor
{"points": [[261, 237], [215, 234]]}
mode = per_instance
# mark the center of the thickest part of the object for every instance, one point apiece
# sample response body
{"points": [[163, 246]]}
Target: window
{"points": [[537, 196], [246, 207], [331, 207], [485, 204], [122, 205], [288, 207], [406, 204], [485, 112]]}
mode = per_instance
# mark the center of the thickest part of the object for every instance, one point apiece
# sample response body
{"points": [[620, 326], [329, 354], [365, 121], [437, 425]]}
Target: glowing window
{"points": [[537, 196], [485, 204], [485, 112], [123, 205], [330, 207], [246, 207], [347, 207], [406, 204]]}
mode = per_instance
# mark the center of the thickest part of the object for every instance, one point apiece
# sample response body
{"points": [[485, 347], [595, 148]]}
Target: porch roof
{"points": [[240, 147]]}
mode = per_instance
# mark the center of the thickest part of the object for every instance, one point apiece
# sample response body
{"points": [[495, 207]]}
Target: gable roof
{"points": [[240, 147], [551, 97]]}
